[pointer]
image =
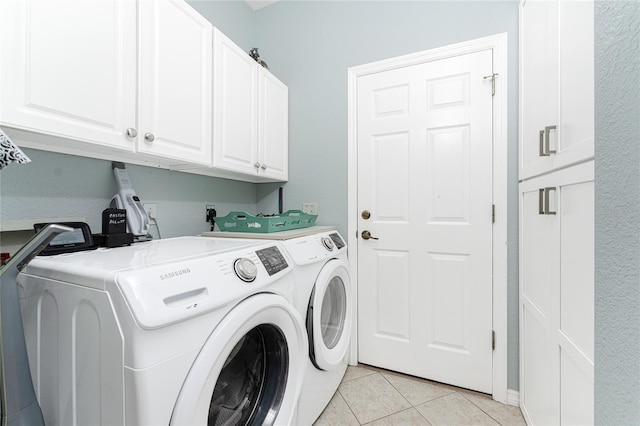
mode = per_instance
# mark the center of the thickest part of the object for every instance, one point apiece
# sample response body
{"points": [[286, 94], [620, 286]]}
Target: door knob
{"points": [[149, 137], [366, 235], [131, 132]]}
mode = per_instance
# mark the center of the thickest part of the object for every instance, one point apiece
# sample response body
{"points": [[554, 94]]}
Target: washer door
{"points": [[250, 369], [329, 316]]}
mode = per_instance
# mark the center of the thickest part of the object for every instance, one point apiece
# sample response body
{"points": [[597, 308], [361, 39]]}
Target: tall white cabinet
{"points": [[556, 212]]}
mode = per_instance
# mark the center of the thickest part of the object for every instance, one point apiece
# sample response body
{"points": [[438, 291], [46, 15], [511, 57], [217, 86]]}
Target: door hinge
{"points": [[493, 82], [493, 340], [493, 213]]}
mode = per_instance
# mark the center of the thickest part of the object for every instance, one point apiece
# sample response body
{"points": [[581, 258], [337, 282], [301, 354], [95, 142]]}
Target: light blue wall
{"points": [[59, 185], [310, 44], [617, 220], [234, 18]]}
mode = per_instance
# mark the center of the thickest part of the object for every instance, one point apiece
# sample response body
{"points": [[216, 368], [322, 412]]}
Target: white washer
{"points": [[178, 331], [323, 296]]}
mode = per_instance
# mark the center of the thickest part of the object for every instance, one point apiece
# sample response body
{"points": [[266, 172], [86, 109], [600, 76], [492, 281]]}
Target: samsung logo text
{"points": [[175, 274]]}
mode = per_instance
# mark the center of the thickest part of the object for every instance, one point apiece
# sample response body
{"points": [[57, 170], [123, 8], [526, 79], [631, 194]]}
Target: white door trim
{"points": [[498, 43]]}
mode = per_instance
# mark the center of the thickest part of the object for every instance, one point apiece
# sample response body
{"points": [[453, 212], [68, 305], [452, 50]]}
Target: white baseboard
{"points": [[513, 397]]}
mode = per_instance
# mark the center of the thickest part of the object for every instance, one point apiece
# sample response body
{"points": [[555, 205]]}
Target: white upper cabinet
{"points": [[69, 69], [145, 82], [556, 85], [235, 107], [175, 84], [135, 76], [273, 134], [250, 115]]}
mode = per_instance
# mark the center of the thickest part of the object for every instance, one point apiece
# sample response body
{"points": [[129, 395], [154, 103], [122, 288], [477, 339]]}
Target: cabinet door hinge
{"points": [[493, 213], [493, 340]]}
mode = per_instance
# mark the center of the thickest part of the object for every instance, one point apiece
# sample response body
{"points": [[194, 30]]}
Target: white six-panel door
{"points": [[425, 177]]}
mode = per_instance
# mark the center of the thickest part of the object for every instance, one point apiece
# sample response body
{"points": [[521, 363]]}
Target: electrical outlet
{"points": [[152, 210], [210, 212], [310, 208]]}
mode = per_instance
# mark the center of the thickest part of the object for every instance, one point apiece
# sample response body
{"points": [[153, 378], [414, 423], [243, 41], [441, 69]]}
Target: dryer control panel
{"points": [[315, 248], [272, 259]]}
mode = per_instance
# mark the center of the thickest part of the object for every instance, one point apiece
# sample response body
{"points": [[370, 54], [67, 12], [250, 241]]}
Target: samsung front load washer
{"points": [[323, 296], [178, 331]]}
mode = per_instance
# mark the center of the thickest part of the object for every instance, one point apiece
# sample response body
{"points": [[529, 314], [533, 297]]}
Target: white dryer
{"points": [[323, 297], [178, 331]]}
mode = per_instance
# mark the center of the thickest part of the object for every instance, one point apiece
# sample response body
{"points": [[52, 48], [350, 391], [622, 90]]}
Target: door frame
{"points": [[498, 43]]}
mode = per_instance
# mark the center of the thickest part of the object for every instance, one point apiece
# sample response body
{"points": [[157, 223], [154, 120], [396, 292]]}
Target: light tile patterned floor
{"points": [[371, 396]]}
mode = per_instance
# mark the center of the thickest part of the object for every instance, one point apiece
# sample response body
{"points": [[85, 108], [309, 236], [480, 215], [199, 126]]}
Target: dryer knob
{"points": [[245, 269], [328, 243]]}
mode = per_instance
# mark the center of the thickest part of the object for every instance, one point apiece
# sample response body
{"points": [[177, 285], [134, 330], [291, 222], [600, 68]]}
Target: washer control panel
{"points": [[272, 259]]}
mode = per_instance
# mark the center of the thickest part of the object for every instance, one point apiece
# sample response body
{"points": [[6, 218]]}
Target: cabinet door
{"points": [[538, 85], [575, 323], [576, 132], [69, 69], [235, 108], [538, 248], [557, 297], [273, 129], [175, 104]]}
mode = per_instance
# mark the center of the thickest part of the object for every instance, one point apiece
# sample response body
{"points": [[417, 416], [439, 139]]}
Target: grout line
{"points": [[397, 390], [480, 408], [348, 406]]}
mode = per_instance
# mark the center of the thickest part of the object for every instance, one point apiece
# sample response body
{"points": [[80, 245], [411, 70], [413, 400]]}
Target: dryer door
{"points": [[250, 369], [329, 316]]}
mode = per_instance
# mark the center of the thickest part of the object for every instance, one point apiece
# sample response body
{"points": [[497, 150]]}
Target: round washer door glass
{"points": [[329, 316], [252, 381], [333, 313]]}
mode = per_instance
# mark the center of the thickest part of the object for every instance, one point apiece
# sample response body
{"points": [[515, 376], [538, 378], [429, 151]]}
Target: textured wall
{"points": [[617, 238], [310, 44]]}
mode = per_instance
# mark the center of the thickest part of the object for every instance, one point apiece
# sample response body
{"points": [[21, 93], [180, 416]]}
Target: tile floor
{"points": [[371, 396]]}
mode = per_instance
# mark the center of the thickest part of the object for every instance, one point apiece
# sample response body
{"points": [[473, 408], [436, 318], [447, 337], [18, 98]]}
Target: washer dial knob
{"points": [[328, 243], [245, 269]]}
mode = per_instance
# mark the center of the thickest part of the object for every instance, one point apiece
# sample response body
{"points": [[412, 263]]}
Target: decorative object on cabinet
{"points": [[256, 56], [10, 153]]}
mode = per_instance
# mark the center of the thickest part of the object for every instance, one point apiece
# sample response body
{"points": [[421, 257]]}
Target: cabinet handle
{"points": [[543, 153], [547, 190], [546, 136], [131, 132], [263, 167], [545, 150], [543, 200], [149, 137], [256, 165]]}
